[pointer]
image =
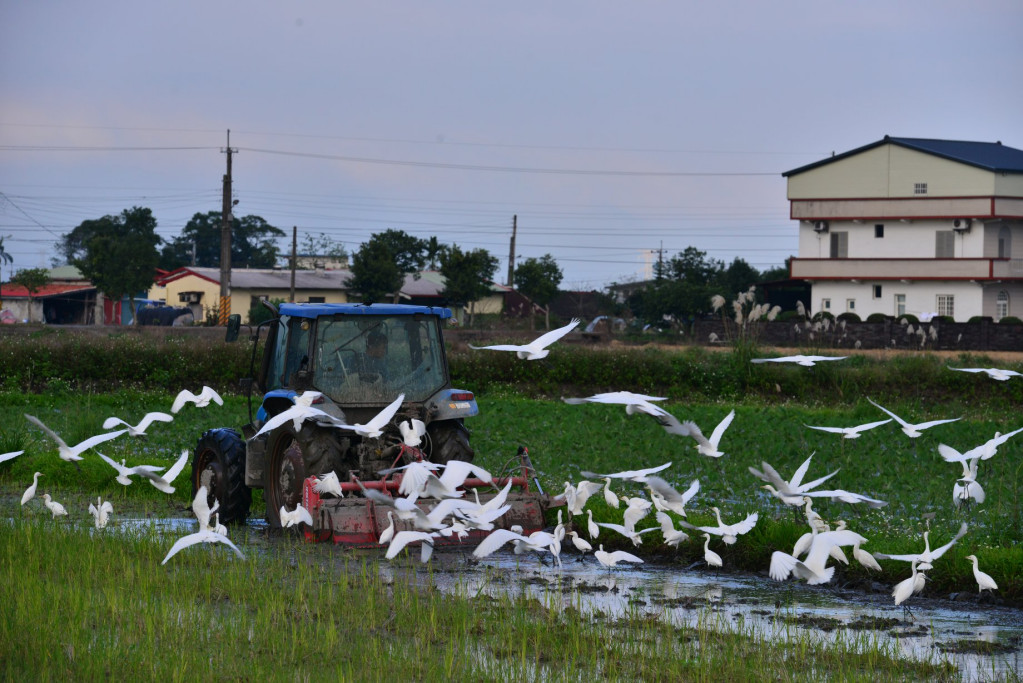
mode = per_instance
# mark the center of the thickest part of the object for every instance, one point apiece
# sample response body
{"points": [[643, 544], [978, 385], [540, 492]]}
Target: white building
{"points": [[908, 225]]}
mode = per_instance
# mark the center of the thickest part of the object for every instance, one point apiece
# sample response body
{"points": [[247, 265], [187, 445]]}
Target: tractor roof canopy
{"points": [[319, 310]]}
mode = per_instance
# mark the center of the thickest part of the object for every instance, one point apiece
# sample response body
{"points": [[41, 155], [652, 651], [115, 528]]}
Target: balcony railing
{"points": [[906, 269]]}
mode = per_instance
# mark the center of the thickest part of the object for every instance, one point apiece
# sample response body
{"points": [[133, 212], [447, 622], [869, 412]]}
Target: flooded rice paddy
{"points": [[984, 641]]}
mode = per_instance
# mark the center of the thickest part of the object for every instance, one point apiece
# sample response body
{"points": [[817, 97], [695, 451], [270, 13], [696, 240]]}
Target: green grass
{"points": [[82, 606]]}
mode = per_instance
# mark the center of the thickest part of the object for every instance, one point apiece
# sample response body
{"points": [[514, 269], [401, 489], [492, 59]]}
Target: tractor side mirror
{"points": [[234, 326]]}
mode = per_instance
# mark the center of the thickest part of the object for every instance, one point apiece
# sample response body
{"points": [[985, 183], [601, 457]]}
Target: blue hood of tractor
{"points": [[318, 310]]}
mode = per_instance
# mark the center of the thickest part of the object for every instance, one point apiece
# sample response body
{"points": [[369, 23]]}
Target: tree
{"points": [[323, 245], [120, 255], [381, 264], [434, 251], [683, 289], [253, 243], [467, 275], [32, 279], [538, 279], [738, 277], [4, 258]]}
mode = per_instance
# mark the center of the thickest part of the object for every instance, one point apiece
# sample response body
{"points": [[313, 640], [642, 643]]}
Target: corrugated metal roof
{"points": [[991, 156], [18, 292], [253, 278]]}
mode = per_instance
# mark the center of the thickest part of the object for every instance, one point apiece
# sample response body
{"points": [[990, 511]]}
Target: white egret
{"points": [[412, 432], [843, 496], [665, 496], [610, 497], [203, 536], [928, 556], [913, 430], [299, 515], [632, 402], [101, 512], [984, 581], [628, 532], [865, 558], [591, 527], [637, 508], [163, 481], [30, 492], [709, 556], [806, 361], [851, 432], [55, 508], [813, 569], [539, 541], [609, 560], [403, 538], [140, 428], [203, 510], [906, 588], [328, 484], [72, 453], [789, 492], [985, 451], [638, 476], [967, 489], [727, 532], [581, 493], [301, 411], [387, 534], [375, 427], [10, 456], [124, 473], [672, 536], [201, 400], [709, 446], [536, 349], [580, 543], [994, 373]]}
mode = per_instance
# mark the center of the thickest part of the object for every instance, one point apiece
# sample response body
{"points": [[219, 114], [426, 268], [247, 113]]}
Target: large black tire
{"points": [[449, 440], [290, 459], [219, 464]]}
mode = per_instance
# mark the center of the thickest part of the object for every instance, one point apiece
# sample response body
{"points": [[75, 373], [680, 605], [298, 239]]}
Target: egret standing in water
{"points": [[984, 581], [30, 492]]}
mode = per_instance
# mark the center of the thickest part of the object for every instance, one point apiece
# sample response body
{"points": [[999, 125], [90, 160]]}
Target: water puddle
{"points": [[985, 642]]}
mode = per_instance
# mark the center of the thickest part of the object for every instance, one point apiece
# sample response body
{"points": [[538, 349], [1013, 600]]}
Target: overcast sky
{"points": [[611, 129]]}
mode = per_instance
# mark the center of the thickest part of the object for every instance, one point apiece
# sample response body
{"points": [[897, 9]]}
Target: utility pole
{"points": [[225, 240], [294, 260], [511, 252]]}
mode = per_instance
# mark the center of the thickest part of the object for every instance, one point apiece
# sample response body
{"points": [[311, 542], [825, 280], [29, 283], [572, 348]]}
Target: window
{"points": [[1004, 242], [919, 188], [850, 305], [317, 299], [839, 245], [1001, 305], [944, 244], [877, 291], [900, 305], [946, 305], [879, 230], [825, 304]]}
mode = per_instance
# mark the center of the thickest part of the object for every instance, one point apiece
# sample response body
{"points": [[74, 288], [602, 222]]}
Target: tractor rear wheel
{"points": [[291, 458], [449, 440], [219, 464]]}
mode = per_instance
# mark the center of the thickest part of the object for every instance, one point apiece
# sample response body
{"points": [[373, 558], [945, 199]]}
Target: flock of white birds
{"points": [[455, 516]]}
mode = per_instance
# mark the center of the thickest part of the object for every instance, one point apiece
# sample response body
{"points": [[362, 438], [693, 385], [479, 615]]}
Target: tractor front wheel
{"points": [[219, 464]]}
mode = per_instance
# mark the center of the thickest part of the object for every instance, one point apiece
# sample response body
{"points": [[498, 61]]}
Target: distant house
{"points": [[909, 225], [67, 299]]}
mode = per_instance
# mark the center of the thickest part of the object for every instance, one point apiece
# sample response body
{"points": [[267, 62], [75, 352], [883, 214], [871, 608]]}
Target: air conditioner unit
{"points": [[820, 226], [189, 297], [962, 224]]}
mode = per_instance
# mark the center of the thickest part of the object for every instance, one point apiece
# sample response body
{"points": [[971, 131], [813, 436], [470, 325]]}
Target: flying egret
{"points": [[299, 515], [580, 494], [633, 402], [204, 536], [906, 588], [412, 432], [124, 473], [446, 485], [851, 432], [727, 532], [984, 581], [539, 541], [101, 511], [709, 446], [72, 453], [302, 410], [163, 481], [666, 497], [927, 556], [329, 484], [913, 430], [30, 492], [814, 568], [967, 489], [10, 456], [637, 508], [789, 492], [628, 532], [201, 400], [142, 426], [709, 556], [609, 560], [403, 538], [536, 349], [806, 361], [985, 451], [843, 496], [375, 427], [994, 373], [638, 476], [53, 506], [672, 536], [610, 497]]}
